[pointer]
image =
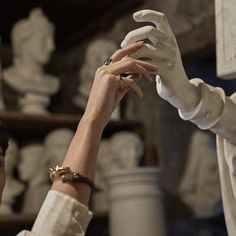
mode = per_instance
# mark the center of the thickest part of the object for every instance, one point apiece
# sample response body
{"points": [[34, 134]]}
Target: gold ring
{"points": [[108, 61], [122, 84]]}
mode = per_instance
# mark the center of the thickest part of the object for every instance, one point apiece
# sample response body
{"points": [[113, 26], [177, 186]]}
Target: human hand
{"points": [[109, 87], [162, 51]]}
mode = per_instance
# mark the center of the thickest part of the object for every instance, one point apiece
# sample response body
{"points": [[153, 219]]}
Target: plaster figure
{"points": [[33, 170], [127, 149], [104, 165], [206, 106], [56, 144], [13, 186], [33, 43], [97, 51], [200, 185]]}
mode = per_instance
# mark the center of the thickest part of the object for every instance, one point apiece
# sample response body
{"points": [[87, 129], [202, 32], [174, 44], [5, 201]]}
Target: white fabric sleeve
{"points": [[60, 215], [215, 111]]}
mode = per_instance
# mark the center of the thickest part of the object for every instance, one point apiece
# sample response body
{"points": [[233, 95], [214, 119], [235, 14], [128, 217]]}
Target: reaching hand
{"points": [[162, 51], [109, 87]]}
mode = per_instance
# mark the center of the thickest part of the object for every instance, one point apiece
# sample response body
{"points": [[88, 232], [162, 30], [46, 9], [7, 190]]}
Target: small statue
{"points": [[104, 164], [127, 149], [33, 170], [32, 42], [13, 186], [56, 145], [200, 185]]}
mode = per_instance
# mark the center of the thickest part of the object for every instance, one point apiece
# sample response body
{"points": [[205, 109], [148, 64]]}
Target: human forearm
{"points": [[81, 157]]}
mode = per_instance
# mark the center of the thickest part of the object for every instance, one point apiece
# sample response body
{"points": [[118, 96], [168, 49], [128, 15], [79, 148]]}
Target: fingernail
{"points": [[140, 42], [137, 14]]}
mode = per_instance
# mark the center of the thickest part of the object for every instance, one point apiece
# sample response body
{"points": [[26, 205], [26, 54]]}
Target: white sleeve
{"points": [[60, 215], [215, 111]]}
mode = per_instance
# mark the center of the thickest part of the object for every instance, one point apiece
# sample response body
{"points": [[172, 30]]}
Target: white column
{"points": [[136, 207]]}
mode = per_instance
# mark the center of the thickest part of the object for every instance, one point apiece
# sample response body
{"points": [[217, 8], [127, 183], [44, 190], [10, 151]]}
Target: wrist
{"points": [[187, 98], [93, 122]]}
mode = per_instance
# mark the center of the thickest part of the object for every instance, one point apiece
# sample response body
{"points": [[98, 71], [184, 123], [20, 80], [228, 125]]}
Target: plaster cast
{"points": [[206, 106], [33, 170], [56, 145], [127, 149], [33, 43], [13, 186], [200, 184]]}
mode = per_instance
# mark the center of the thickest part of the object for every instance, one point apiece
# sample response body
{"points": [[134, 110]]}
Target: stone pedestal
{"points": [[136, 207]]}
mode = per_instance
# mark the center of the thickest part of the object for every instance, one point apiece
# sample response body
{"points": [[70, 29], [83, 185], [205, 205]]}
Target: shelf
{"points": [[25, 125]]}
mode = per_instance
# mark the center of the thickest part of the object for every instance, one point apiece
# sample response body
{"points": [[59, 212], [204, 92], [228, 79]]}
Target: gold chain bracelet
{"points": [[67, 176]]}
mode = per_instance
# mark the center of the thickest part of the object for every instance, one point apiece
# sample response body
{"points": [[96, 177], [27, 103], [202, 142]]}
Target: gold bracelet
{"points": [[67, 176], [56, 171]]}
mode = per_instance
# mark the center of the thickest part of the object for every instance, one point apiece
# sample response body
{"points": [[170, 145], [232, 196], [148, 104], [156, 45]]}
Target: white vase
{"points": [[136, 207]]}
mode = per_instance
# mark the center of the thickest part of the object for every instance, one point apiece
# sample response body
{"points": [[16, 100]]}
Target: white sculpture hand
{"points": [[171, 82]]}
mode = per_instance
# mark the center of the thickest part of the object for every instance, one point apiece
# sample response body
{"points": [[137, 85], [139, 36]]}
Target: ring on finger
{"points": [[108, 61]]}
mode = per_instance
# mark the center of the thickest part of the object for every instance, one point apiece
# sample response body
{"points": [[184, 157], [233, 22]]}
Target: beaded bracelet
{"points": [[67, 176]]}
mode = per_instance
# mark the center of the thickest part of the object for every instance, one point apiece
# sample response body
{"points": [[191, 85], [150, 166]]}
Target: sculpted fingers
{"points": [[146, 32], [155, 17]]}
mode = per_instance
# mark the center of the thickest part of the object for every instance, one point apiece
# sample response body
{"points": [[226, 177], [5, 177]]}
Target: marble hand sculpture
{"points": [[206, 106], [13, 186], [32, 42], [171, 82]]}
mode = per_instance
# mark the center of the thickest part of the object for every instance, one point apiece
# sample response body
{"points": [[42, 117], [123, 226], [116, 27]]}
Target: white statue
{"points": [[33, 43], [33, 170], [127, 149], [13, 187], [226, 38], [104, 164], [200, 185], [56, 144], [97, 51]]}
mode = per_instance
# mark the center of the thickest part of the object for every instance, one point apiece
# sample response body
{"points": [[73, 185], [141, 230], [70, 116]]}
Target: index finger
{"points": [[123, 52], [157, 18]]}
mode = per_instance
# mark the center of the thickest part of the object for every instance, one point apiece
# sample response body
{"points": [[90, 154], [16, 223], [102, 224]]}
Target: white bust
{"points": [[97, 51], [103, 166], [33, 170], [56, 145], [127, 149], [13, 187], [33, 43]]}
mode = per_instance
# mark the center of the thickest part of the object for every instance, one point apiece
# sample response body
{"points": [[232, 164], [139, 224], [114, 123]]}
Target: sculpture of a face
{"points": [[127, 148], [31, 160], [39, 47], [11, 157], [32, 37]]}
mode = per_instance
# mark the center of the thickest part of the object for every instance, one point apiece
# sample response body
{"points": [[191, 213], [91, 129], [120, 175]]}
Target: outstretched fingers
{"points": [[132, 66], [146, 32], [123, 52]]}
